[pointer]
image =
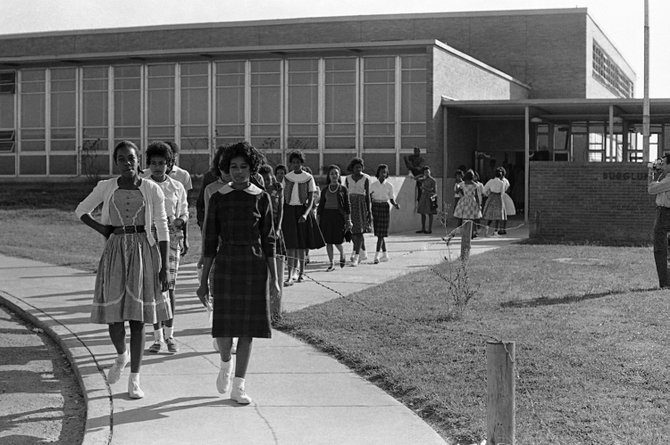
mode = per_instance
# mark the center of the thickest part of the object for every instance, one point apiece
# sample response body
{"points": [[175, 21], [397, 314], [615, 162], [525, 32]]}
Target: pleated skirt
{"points": [[301, 235], [381, 216]]}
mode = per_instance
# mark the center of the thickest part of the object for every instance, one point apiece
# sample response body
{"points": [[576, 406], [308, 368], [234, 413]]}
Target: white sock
{"points": [[168, 331], [135, 377], [158, 335]]}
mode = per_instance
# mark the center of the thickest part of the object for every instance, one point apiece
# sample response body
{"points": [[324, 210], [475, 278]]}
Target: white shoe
{"points": [[354, 261], [351, 258], [238, 393], [364, 255], [376, 258], [223, 379], [134, 390], [120, 363], [384, 257], [215, 345]]}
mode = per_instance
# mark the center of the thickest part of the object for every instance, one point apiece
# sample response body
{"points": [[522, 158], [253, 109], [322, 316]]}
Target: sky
{"points": [[621, 20]]}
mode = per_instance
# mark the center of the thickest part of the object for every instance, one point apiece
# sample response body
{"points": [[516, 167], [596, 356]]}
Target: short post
{"points": [[466, 238], [275, 301], [500, 364]]}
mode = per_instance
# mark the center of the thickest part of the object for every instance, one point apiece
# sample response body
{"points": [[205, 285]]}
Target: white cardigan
{"points": [[154, 209]]}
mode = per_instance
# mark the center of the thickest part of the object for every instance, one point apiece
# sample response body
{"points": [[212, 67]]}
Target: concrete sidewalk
{"points": [[301, 396]]}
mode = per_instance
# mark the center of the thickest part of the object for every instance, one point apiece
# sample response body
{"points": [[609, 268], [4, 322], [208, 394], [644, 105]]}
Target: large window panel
{"points": [[33, 113], [230, 108], [7, 113], [127, 103], [413, 101], [340, 106], [161, 102], [379, 103], [95, 111], [303, 103], [266, 103], [195, 106], [63, 109]]}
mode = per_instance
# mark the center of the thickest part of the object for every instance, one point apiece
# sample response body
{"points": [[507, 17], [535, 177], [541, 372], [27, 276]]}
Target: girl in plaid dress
{"points": [[239, 235], [381, 193], [358, 185], [160, 159], [469, 206]]}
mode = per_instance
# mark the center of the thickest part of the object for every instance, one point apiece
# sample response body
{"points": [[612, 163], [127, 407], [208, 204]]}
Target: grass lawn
{"points": [[591, 335], [591, 330]]}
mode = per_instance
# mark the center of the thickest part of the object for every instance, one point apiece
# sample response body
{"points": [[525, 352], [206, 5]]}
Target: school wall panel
{"points": [[33, 165], [7, 165], [590, 202]]}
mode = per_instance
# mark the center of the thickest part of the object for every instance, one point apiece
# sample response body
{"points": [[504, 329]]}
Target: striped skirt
{"points": [[127, 286], [381, 217]]}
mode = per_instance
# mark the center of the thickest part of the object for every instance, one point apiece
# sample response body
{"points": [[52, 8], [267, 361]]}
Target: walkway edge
{"points": [[98, 432]]}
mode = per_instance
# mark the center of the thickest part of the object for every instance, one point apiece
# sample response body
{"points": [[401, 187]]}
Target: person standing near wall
{"points": [[127, 287], [427, 205], [659, 185]]}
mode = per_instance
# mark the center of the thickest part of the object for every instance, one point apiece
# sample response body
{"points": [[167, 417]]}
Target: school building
{"points": [[476, 89]]}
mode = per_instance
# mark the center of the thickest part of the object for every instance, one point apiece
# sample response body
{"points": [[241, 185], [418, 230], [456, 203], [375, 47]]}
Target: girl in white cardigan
{"points": [[132, 273]]}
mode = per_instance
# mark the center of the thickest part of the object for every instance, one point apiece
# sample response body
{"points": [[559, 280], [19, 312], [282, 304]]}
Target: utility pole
{"points": [[645, 100]]}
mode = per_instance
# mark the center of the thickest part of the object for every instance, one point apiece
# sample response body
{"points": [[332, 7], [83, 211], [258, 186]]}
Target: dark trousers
{"points": [[661, 229]]}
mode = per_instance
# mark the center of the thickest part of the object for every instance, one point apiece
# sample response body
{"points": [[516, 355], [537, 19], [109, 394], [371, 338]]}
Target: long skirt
{"points": [[494, 209], [240, 292], [301, 235], [359, 213], [127, 286], [381, 216], [425, 207], [331, 223]]}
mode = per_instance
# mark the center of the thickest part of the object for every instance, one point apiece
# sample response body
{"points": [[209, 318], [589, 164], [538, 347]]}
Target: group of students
{"points": [[474, 201], [248, 213]]}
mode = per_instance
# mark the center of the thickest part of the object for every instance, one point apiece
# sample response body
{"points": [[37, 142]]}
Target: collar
{"points": [[252, 189]]}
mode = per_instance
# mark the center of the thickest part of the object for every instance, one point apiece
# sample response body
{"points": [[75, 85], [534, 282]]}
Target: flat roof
{"points": [[558, 109]]}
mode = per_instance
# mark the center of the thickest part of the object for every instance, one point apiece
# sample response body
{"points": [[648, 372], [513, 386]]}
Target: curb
{"points": [[94, 386]]}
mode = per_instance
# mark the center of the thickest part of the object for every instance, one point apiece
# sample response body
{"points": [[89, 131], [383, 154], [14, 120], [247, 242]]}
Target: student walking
{"points": [[299, 225], [127, 287], [358, 185], [381, 194], [239, 236], [160, 160], [495, 210], [334, 213]]}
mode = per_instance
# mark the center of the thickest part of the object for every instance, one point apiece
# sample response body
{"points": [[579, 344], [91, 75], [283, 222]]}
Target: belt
{"points": [[127, 229], [379, 201]]}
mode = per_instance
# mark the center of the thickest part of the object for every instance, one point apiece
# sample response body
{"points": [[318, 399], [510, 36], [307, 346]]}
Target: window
{"points": [[230, 107], [303, 102], [7, 121], [609, 74], [195, 106], [596, 143], [265, 103], [379, 102], [33, 113], [127, 103], [95, 132], [161, 99], [413, 105], [63, 109], [340, 117]]}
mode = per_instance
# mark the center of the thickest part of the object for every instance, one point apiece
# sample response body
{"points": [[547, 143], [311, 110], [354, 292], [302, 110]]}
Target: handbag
{"points": [[347, 235], [433, 202]]}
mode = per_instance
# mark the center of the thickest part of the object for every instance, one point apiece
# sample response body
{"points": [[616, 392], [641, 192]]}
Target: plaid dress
{"points": [[469, 206], [239, 232]]}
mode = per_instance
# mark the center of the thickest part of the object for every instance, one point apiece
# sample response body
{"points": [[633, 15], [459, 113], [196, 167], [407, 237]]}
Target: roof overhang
{"points": [[558, 110]]}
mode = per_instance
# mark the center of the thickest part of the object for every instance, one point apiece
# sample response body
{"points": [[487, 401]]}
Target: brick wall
{"points": [[600, 202]]}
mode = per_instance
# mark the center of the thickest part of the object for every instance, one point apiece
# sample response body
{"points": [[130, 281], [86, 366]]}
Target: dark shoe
{"points": [[502, 232], [343, 262], [421, 231], [474, 235], [300, 278], [428, 231]]}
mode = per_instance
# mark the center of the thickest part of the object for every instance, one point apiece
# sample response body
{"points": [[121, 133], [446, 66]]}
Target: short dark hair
{"points": [[124, 144], [216, 161], [354, 162], [458, 172], [264, 169], [160, 149], [173, 146], [469, 175], [380, 167], [242, 149], [296, 154], [280, 167], [425, 167], [501, 172]]}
